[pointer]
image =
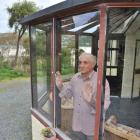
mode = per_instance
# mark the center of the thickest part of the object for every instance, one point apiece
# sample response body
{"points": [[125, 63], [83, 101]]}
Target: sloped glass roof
{"points": [[80, 27], [93, 29], [80, 23], [119, 21], [124, 26]]}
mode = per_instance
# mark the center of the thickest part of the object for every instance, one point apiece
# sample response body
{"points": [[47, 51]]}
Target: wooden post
{"points": [[101, 57]]}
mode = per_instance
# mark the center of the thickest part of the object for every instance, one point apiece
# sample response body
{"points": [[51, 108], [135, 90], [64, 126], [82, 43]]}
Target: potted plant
{"points": [[48, 133]]}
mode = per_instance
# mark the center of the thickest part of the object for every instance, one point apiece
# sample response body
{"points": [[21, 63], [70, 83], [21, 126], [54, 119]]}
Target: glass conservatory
{"points": [[58, 34]]}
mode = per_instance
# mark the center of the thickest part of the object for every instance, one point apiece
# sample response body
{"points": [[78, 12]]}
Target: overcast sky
{"points": [[8, 3]]}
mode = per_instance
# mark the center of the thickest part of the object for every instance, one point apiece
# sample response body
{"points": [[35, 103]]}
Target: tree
{"points": [[17, 12]]}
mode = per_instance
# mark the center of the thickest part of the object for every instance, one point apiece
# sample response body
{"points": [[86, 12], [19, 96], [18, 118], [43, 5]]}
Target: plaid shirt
{"points": [[83, 112]]}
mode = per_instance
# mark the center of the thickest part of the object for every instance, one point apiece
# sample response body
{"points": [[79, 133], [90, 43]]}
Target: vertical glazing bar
{"points": [[53, 44], [101, 57]]}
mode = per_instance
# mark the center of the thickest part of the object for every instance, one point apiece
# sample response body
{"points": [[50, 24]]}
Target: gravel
{"points": [[15, 115]]}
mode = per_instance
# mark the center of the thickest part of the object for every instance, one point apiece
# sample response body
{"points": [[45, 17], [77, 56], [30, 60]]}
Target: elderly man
{"points": [[83, 88]]}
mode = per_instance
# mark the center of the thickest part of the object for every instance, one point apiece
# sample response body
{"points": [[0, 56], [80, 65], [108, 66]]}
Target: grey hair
{"points": [[91, 57]]}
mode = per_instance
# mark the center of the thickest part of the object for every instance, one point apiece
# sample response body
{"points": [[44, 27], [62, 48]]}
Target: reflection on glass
{"points": [[43, 66]]}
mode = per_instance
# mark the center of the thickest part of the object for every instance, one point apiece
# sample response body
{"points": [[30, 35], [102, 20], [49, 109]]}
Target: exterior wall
{"points": [[36, 129], [132, 35], [9, 50]]}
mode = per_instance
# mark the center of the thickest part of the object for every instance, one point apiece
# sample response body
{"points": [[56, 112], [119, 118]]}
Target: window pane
{"points": [[41, 62], [85, 44], [43, 66], [68, 54]]}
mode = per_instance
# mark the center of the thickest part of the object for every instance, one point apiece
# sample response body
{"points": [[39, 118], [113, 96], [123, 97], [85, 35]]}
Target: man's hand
{"points": [[59, 80], [51, 96], [87, 91]]}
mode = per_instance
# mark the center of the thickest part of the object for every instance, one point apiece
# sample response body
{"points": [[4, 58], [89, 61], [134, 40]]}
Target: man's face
{"points": [[85, 65]]}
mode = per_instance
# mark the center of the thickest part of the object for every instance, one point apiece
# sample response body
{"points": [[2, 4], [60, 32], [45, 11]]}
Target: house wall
{"points": [[36, 129], [10, 50], [128, 66], [132, 35]]}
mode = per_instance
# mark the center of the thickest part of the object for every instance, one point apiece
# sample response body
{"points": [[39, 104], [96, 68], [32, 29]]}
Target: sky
{"points": [[4, 16]]}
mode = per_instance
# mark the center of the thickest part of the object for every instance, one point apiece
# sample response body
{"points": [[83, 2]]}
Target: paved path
{"points": [[15, 103]]}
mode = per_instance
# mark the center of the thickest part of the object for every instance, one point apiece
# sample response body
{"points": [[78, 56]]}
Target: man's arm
{"points": [[90, 95], [59, 80], [66, 90]]}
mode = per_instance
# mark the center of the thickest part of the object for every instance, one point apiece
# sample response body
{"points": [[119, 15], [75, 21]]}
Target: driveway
{"points": [[15, 103]]}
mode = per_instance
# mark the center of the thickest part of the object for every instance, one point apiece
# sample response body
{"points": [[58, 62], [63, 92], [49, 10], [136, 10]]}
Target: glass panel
{"points": [[111, 71], [68, 54], [43, 61], [112, 53], [123, 59], [85, 44], [77, 33]]}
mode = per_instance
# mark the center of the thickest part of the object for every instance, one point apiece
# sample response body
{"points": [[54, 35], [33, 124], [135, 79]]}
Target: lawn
{"points": [[7, 73]]}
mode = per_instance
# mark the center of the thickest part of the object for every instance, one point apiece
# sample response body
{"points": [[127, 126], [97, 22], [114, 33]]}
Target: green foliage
{"points": [[40, 43], [7, 72], [47, 132], [26, 60], [20, 10], [17, 12], [68, 70], [67, 53]]}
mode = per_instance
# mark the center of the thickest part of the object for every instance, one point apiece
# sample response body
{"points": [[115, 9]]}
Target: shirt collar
{"points": [[89, 77]]}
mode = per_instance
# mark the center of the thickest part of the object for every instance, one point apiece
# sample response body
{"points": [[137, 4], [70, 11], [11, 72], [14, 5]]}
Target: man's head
{"points": [[86, 63]]}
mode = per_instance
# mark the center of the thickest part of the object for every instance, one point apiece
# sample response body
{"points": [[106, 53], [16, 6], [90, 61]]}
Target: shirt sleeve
{"points": [[106, 100], [107, 96], [67, 90], [93, 101]]}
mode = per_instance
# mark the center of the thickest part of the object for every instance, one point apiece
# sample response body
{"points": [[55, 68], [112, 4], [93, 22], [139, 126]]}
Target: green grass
{"points": [[7, 73], [67, 70]]}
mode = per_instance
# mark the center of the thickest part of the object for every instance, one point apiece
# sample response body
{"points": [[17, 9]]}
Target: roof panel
{"points": [[53, 9], [92, 30]]}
